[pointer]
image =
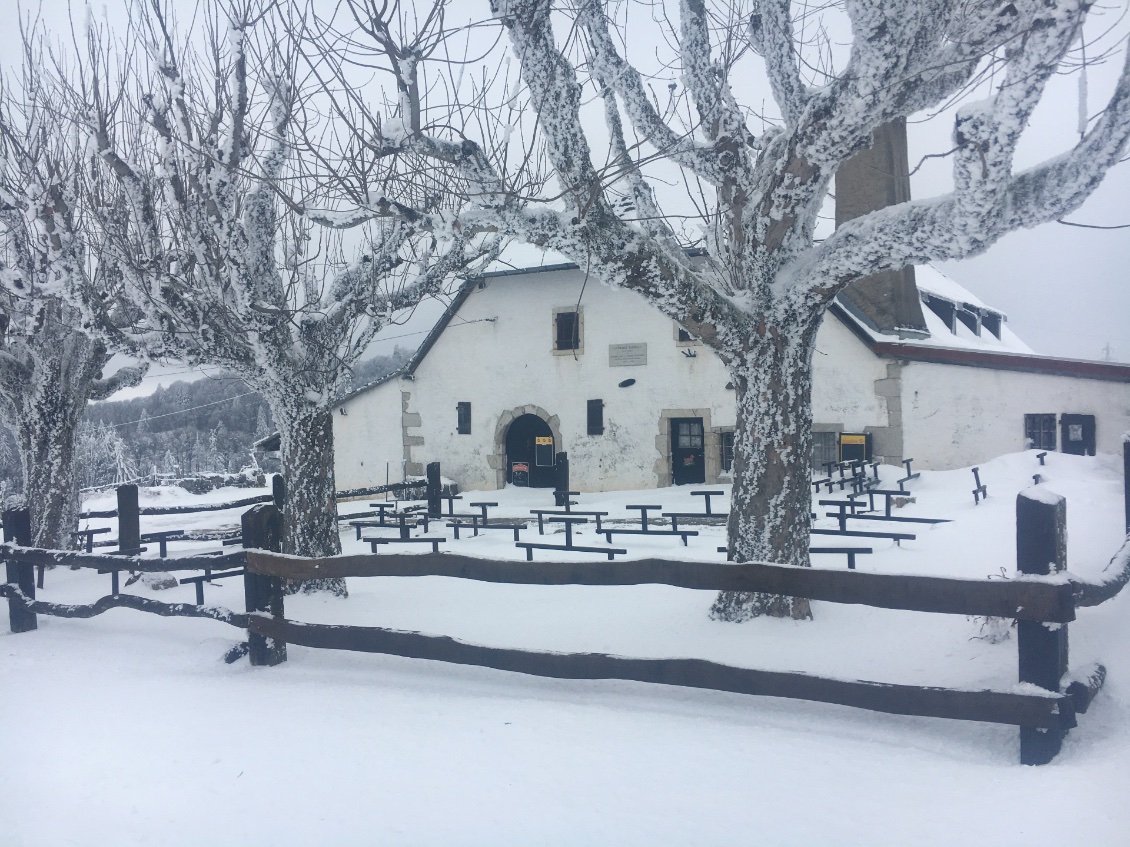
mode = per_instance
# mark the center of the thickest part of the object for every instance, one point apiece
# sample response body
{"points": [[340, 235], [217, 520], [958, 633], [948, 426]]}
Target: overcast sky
{"points": [[1066, 290]]}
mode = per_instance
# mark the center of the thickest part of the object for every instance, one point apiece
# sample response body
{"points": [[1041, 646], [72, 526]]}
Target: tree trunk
{"points": [[771, 504], [309, 514], [47, 445]]}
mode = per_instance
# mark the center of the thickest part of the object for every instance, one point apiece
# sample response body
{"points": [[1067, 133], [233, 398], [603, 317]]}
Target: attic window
{"points": [[568, 330], [684, 338], [945, 310]]}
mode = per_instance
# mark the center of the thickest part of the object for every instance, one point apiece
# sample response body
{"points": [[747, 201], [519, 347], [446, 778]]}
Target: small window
{"points": [[684, 335], [596, 417], [1039, 432], [688, 435], [463, 422], [568, 331], [727, 443], [825, 449]]}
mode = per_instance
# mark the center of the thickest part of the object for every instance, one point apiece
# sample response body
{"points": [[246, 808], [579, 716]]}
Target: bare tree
{"points": [[51, 363], [759, 298], [203, 175]]}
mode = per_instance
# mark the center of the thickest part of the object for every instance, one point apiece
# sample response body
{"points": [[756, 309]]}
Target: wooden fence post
{"points": [[1126, 478], [129, 520], [278, 491], [435, 488], [1041, 549], [263, 530], [561, 479], [17, 529]]}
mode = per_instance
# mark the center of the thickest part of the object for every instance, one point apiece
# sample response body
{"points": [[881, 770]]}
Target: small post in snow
{"points": [[434, 491], [561, 480], [263, 530], [17, 530], [1041, 549]]}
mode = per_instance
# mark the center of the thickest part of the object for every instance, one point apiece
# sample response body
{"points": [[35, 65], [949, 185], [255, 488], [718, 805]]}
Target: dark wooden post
{"points": [[278, 491], [434, 490], [263, 530], [1041, 549], [129, 520], [1126, 478], [17, 530], [561, 480]]}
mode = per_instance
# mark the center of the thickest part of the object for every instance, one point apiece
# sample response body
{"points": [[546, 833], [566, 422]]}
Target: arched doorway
{"points": [[527, 444]]}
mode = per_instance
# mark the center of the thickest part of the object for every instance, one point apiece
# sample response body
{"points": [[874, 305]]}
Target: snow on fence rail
{"points": [[1044, 710]]}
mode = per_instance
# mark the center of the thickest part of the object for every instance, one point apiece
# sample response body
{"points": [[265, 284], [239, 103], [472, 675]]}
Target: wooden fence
{"points": [[1042, 602]]}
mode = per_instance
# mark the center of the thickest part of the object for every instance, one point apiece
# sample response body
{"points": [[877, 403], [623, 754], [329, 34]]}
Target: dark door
{"points": [[1077, 434], [688, 451], [529, 442]]}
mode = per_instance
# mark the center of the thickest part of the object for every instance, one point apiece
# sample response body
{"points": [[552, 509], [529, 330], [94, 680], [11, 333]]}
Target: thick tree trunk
{"points": [[47, 445], [309, 514], [771, 504]]}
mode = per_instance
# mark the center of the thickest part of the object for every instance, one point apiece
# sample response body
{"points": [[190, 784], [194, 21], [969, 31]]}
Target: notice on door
{"points": [[627, 355]]}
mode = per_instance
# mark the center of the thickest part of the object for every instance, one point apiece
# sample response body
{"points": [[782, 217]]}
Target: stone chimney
{"points": [[879, 176]]}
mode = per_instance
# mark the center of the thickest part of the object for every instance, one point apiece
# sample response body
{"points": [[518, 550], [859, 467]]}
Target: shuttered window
{"points": [[463, 418], [596, 417]]}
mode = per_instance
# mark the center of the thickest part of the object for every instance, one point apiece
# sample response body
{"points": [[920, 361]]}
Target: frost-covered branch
{"points": [[771, 36]]}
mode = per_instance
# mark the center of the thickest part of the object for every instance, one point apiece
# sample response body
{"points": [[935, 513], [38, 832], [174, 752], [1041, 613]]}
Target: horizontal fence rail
{"points": [[1028, 599], [39, 556], [124, 601], [1041, 710]]}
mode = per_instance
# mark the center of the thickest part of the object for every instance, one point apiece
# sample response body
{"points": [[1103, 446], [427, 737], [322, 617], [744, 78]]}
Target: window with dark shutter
{"points": [[568, 331], [596, 417], [463, 421]]}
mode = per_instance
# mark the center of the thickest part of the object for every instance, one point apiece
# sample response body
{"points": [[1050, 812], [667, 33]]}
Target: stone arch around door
{"points": [[497, 460]]}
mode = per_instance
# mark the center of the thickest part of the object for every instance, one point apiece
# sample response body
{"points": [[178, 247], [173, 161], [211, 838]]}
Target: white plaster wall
{"points": [[368, 439], [498, 355], [957, 416], [843, 382]]}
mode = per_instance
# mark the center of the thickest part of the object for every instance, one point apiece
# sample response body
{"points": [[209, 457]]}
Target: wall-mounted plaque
{"points": [[627, 355]]}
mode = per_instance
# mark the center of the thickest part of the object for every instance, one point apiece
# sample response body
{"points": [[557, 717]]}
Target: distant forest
{"points": [[205, 426]]}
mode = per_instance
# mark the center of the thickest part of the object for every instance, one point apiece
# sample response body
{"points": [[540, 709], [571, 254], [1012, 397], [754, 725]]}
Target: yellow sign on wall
{"points": [[853, 439], [544, 439]]}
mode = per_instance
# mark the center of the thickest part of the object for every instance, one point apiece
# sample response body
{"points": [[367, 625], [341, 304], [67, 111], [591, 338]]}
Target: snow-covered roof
{"points": [[955, 318]]}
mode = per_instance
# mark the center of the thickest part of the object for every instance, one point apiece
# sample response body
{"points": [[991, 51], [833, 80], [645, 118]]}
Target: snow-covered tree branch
{"points": [[208, 175], [51, 361], [760, 295]]}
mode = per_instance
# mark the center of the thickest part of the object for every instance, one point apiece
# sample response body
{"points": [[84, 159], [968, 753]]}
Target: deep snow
{"points": [[129, 729]]}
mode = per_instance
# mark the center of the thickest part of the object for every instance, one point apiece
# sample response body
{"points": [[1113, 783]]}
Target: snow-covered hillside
{"points": [[129, 729]]}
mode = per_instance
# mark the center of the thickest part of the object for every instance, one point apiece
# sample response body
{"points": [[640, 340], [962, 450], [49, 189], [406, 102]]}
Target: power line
{"points": [[182, 411]]}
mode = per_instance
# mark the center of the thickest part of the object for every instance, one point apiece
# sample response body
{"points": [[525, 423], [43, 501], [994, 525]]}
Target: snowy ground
{"points": [[129, 729]]}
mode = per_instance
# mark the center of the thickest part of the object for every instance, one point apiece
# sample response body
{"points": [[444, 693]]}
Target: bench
{"points": [[89, 534], [909, 476], [706, 495], [981, 492], [476, 525], [897, 537], [850, 552], [207, 576], [646, 530], [530, 546], [376, 542], [542, 513], [162, 539], [713, 519]]}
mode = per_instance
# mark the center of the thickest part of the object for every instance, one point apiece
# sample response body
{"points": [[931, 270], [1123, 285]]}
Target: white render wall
{"points": [[498, 354], [368, 438], [956, 416], [504, 361]]}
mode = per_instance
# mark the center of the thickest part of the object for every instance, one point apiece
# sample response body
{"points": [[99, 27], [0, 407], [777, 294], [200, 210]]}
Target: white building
{"points": [[527, 364]]}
